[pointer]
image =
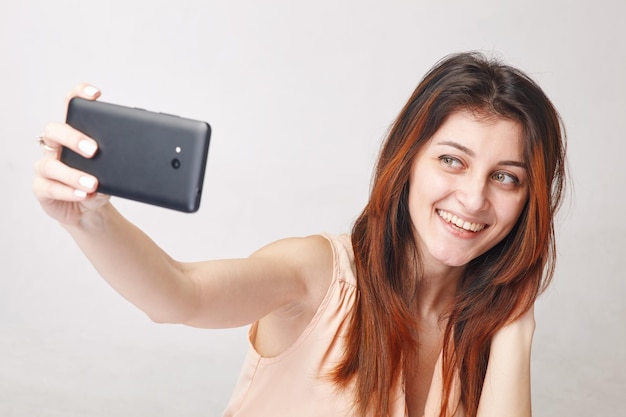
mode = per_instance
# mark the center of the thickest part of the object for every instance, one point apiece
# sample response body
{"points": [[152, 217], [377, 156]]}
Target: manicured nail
{"points": [[89, 148], [80, 193], [87, 182], [90, 90]]}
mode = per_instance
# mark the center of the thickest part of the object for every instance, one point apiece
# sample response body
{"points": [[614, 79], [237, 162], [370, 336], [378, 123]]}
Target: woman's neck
{"points": [[436, 290]]}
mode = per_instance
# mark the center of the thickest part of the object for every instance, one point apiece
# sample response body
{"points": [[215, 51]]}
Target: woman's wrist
{"points": [[520, 330], [93, 220], [511, 345]]}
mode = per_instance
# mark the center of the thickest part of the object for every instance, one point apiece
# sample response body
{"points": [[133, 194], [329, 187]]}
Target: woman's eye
{"points": [[450, 161], [504, 178]]}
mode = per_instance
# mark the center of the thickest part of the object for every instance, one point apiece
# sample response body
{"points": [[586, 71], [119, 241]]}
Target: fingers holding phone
{"points": [[83, 90], [57, 134], [64, 192], [57, 181]]}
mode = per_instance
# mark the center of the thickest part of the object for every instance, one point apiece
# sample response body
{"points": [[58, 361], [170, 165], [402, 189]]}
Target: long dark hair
{"points": [[496, 287]]}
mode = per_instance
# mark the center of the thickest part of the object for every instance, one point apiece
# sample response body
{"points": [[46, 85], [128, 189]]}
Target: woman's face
{"points": [[467, 188]]}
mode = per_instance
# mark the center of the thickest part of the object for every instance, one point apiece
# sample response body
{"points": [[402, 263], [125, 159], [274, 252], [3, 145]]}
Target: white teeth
{"points": [[451, 218]]}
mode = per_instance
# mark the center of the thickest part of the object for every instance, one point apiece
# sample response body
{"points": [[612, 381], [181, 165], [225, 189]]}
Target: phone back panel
{"points": [[144, 156]]}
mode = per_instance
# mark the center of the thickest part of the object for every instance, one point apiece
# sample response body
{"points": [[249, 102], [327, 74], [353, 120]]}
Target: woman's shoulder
{"points": [[309, 249], [323, 254], [317, 259], [339, 243], [343, 256]]}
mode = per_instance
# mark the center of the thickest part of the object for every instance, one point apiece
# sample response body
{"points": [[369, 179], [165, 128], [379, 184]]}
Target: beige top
{"points": [[296, 383]]}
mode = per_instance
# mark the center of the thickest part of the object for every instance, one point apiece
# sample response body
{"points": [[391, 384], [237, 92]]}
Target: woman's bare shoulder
{"points": [[309, 258], [310, 261]]}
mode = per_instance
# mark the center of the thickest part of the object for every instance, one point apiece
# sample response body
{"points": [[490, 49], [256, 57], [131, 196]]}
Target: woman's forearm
{"points": [[506, 391], [132, 263]]}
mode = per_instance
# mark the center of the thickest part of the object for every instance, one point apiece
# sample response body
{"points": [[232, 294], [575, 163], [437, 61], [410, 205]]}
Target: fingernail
{"points": [[87, 147], [80, 193], [90, 90], [87, 182]]}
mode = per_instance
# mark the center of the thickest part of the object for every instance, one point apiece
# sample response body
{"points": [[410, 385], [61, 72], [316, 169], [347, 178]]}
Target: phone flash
{"points": [[178, 149]]}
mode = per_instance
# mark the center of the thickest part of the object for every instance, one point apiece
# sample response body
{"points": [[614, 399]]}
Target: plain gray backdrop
{"points": [[299, 95]]}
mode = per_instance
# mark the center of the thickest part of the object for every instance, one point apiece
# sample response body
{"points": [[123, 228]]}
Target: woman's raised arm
{"points": [[506, 391], [222, 293], [212, 294]]}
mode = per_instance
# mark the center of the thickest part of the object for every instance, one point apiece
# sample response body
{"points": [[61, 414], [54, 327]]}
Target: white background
{"points": [[299, 95]]}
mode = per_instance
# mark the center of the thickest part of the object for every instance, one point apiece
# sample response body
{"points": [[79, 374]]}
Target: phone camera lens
{"points": [[175, 163]]}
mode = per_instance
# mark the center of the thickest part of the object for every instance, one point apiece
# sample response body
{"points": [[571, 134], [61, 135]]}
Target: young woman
{"points": [[425, 309]]}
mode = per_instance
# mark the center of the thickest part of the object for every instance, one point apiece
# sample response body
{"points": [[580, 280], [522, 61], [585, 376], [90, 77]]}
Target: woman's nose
{"points": [[472, 194]]}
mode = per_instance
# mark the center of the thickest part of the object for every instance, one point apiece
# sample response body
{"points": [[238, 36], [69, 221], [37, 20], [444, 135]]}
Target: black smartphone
{"points": [[154, 158]]}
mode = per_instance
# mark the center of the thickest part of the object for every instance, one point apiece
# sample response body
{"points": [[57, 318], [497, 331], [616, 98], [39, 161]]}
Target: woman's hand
{"points": [[65, 193]]}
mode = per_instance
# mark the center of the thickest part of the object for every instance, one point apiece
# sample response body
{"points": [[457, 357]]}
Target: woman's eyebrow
{"points": [[459, 147], [471, 153], [514, 164]]}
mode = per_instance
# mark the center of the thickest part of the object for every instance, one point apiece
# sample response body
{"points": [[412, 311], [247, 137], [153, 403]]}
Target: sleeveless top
{"points": [[297, 382]]}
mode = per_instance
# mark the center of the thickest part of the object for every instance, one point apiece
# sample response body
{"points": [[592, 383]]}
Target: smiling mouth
{"points": [[460, 223]]}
